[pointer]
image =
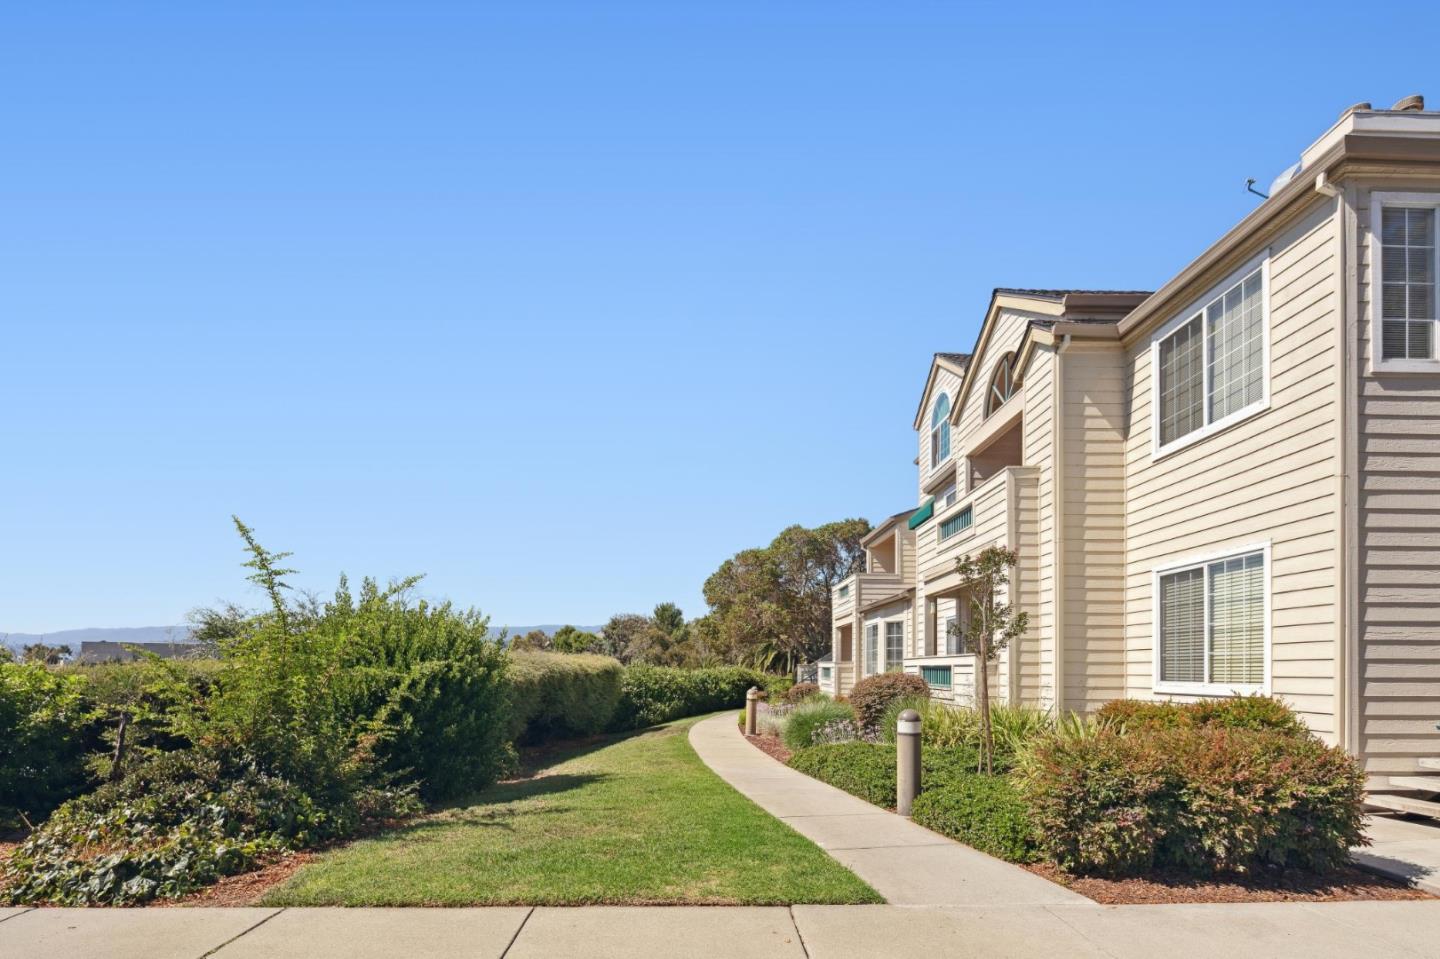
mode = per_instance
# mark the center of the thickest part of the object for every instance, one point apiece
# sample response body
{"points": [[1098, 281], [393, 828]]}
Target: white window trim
{"points": [[1210, 689], [1157, 451], [1378, 201], [936, 460], [885, 624]]}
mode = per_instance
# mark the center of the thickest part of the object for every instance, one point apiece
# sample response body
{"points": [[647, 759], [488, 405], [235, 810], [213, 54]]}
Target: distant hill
{"points": [[550, 630], [176, 634], [74, 637]]}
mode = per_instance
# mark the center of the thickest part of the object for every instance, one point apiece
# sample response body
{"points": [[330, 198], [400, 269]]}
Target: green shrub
{"points": [[890, 719], [867, 770], [1138, 714], [177, 822], [872, 695], [1233, 712], [807, 718], [801, 692], [986, 812], [44, 731], [946, 729], [555, 695], [775, 687], [1247, 712], [1099, 804], [1200, 799], [650, 695]]}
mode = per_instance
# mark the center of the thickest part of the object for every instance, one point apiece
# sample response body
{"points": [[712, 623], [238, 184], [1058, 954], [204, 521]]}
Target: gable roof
{"points": [[1099, 307], [883, 527], [955, 362]]}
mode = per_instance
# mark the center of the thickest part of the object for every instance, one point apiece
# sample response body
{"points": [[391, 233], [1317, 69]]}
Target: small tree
{"points": [[988, 629], [45, 655]]}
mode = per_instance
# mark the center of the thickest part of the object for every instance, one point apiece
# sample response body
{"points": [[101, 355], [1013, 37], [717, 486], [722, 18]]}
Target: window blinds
{"points": [[1182, 626]]}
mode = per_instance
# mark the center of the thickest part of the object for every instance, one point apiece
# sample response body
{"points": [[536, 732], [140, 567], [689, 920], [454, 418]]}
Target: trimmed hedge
{"points": [[873, 695], [562, 695], [1200, 799], [986, 812], [650, 695]]}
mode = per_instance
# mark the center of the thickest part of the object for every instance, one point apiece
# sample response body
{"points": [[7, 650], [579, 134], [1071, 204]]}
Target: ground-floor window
{"points": [[1213, 623], [872, 649], [894, 646]]}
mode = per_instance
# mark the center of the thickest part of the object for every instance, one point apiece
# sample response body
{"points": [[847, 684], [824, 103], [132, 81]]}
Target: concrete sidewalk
{"points": [[907, 864], [1408, 850], [1402, 930]]}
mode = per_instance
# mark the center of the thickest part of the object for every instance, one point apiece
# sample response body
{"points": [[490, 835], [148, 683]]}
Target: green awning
{"points": [[923, 513]]}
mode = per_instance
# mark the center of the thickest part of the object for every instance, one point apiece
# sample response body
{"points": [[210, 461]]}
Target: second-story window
{"points": [[1210, 365], [1002, 384], [946, 497], [1407, 283], [940, 431]]}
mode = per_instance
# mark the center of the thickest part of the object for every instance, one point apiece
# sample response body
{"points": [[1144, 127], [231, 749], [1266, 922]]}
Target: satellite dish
{"points": [[1285, 177]]}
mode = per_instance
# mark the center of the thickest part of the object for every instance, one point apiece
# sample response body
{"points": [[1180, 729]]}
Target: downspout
{"points": [[1347, 632], [1058, 466]]}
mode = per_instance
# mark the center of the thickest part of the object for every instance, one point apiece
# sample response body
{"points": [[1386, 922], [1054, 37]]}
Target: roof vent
{"points": [[1362, 105], [1410, 104]]}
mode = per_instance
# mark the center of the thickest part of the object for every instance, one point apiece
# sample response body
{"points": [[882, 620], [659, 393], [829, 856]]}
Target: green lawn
{"points": [[633, 819]]}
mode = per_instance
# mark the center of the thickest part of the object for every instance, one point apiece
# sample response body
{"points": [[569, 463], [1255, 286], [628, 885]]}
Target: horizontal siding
{"points": [[1398, 542], [1271, 477], [1095, 409]]}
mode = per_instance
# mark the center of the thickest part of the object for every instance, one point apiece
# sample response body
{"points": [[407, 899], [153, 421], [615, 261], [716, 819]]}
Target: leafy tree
{"points": [[568, 639], [45, 655], [773, 603], [533, 641], [989, 628], [625, 636]]}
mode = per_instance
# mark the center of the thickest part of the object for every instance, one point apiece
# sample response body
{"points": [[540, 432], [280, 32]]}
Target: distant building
{"points": [[104, 651]]}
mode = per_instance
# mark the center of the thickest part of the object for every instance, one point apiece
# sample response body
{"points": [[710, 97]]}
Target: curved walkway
{"points": [[907, 864]]}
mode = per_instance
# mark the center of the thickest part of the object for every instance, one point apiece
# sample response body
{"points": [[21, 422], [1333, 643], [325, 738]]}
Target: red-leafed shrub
{"points": [[872, 695]]}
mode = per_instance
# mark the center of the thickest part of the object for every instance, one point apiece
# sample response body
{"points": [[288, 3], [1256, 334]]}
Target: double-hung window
{"points": [[1212, 363], [894, 646], [1402, 292], [872, 649], [1212, 624], [946, 497]]}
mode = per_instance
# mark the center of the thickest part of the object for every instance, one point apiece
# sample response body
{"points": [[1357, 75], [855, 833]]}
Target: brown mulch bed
{"points": [[771, 746], [1345, 884], [247, 887]]}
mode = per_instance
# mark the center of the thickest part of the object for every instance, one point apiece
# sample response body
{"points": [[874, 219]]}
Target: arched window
{"points": [[1002, 384], [940, 431]]}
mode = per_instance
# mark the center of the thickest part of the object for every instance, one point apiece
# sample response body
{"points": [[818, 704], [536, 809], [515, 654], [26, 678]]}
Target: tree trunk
{"points": [[118, 757], [982, 693]]}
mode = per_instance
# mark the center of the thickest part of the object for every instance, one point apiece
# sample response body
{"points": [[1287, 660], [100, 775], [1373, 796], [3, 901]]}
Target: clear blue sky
{"points": [[563, 304]]}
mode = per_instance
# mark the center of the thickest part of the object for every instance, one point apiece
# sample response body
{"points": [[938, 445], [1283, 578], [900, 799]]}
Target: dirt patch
{"points": [[1350, 883], [771, 746], [247, 887]]}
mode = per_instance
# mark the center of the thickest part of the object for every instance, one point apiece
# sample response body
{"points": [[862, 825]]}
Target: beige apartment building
{"points": [[1230, 485]]}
